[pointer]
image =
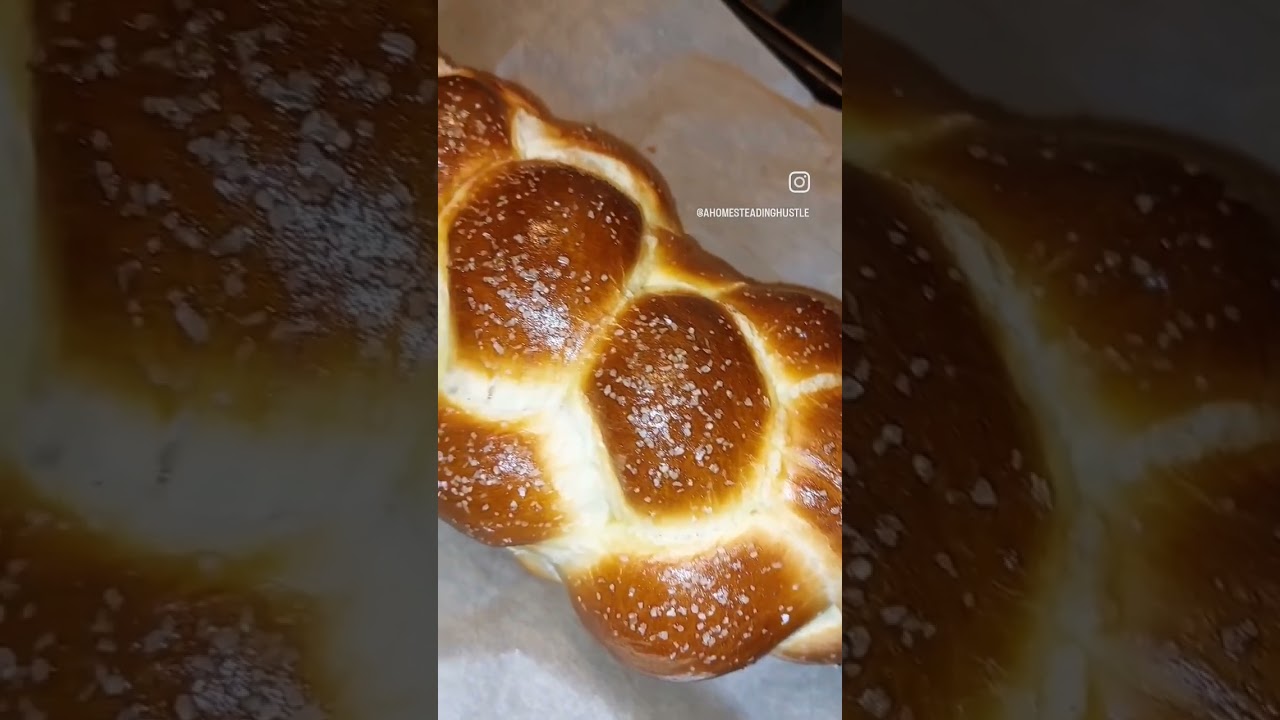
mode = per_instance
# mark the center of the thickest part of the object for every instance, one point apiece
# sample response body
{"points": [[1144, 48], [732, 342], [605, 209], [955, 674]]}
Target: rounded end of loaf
{"points": [[819, 643], [699, 616], [483, 119], [893, 96], [231, 279]]}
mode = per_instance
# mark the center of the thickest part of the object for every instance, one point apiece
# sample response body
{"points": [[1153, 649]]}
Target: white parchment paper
{"points": [[726, 124]]}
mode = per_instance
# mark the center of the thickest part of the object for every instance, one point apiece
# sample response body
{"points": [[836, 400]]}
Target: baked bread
{"points": [[1063, 472], [216, 304], [621, 409]]}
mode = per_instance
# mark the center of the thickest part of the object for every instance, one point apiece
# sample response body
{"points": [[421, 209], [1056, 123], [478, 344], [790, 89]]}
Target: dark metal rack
{"points": [[805, 36]]}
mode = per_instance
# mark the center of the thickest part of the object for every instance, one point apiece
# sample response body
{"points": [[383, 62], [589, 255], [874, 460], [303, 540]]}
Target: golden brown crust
{"points": [[535, 302], [696, 617], [1196, 584], [230, 293], [794, 321], [491, 482], [814, 463], [682, 405], [477, 134], [679, 259], [1159, 280], [666, 400], [1104, 298], [239, 206], [822, 649], [231, 257], [946, 514], [477, 125], [94, 629], [1249, 179]]}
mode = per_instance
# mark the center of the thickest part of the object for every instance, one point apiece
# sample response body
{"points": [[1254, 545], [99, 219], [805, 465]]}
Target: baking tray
{"points": [[792, 43]]}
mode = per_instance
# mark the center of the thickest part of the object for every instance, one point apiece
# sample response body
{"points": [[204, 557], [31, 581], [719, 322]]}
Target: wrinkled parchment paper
{"points": [[726, 124], [1203, 67]]}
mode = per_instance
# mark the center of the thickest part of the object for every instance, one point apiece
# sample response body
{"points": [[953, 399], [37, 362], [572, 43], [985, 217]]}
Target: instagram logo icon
{"points": [[798, 182]]}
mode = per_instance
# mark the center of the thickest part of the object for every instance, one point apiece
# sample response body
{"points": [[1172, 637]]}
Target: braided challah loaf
{"points": [[1063, 473], [215, 298], [623, 410]]}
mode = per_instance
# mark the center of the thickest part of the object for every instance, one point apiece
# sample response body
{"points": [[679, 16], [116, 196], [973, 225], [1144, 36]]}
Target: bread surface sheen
{"points": [[217, 309], [626, 412], [1062, 495], [231, 308]]}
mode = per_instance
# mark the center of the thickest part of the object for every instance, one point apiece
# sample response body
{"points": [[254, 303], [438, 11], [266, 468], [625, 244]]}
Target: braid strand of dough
{"points": [[623, 410]]}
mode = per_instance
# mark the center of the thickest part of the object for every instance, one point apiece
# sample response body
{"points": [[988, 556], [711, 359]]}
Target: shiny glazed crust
{"points": [[1062, 470], [625, 411], [94, 628], [232, 286], [217, 313]]}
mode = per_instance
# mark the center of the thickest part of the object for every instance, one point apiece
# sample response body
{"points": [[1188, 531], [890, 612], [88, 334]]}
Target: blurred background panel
{"points": [[1203, 67]]}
